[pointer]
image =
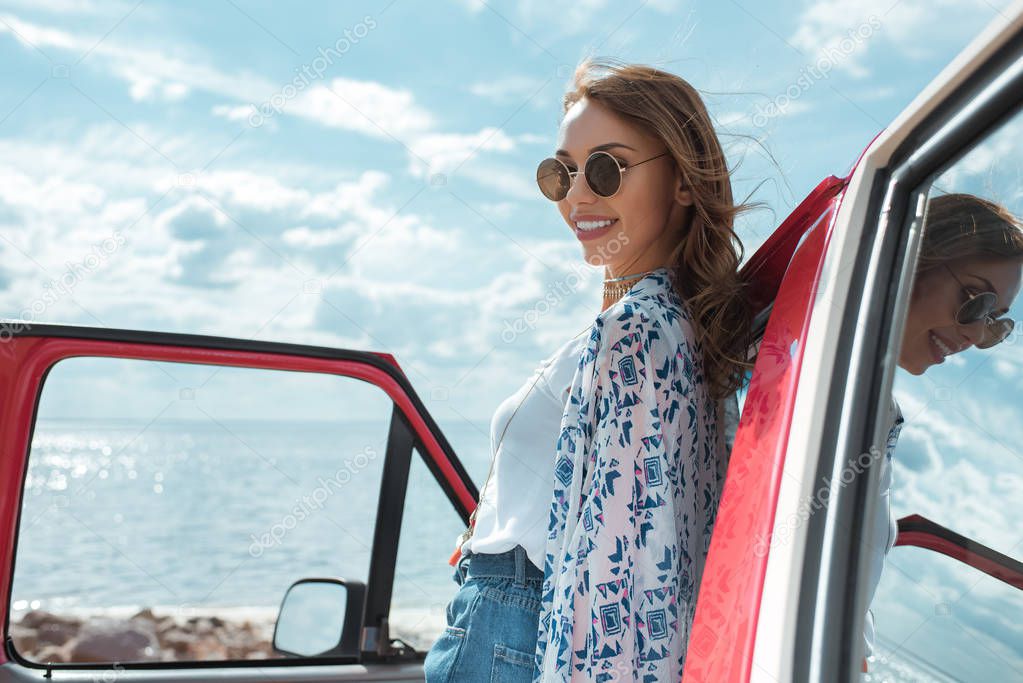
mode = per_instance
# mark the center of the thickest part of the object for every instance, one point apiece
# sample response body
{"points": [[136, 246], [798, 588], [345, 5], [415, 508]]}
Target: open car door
{"points": [[786, 588], [920, 532], [179, 508]]}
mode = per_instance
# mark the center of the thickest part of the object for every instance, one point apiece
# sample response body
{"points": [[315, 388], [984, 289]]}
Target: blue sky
{"points": [[360, 175], [385, 201]]}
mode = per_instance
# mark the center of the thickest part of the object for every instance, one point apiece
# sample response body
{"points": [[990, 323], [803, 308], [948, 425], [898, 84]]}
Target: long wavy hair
{"points": [[707, 258], [961, 226]]}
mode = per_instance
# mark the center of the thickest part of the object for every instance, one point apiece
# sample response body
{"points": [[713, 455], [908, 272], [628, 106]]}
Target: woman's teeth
{"points": [[941, 345], [593, 225]]}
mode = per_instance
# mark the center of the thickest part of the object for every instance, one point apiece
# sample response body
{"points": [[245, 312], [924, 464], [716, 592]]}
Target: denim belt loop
{"points": [[520, 565]]}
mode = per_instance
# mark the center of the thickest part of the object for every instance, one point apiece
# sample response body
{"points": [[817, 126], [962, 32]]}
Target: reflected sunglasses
{"points": [[977, 307], [602, 170]]}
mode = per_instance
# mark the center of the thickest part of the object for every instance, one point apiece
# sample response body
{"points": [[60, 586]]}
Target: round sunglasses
{"points": [[978, 306], [602, 171]]}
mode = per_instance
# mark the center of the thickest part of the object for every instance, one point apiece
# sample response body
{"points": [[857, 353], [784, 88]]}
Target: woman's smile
{"points": [[937, 296], [589, 226], [939, 348]]}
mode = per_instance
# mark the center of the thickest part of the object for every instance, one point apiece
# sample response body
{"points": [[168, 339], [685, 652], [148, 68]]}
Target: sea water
{"points": [[192, 516]]}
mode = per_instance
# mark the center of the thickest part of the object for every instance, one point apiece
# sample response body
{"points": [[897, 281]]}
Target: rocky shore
{"points": [[41, 637]]}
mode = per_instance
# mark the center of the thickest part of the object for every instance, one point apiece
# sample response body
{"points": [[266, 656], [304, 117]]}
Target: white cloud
{"points": [[991, 169], [233, 113], [666, 6], [188, 253], [473, 6], [499, 209], [837, 34], [794, 108], [364, 107], [971, 466], [22, 191], [305, 237], [574, 18], [252, 190], [351, 198], [79, 7], [418, 316], [510, 89], [843, 32], [504, 179], [565, 19], [145, 70], [535, 139], [145, 89], [447, 151]]}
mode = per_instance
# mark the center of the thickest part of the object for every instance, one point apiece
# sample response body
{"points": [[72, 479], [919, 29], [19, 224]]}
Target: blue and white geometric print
{"points": [[640, 464]]}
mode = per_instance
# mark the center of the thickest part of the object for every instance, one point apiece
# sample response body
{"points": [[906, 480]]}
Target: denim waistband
{"points": [[511, 564]]}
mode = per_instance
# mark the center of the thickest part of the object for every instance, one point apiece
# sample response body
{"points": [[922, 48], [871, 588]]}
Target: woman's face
{"points": [[936, 298], [648, 211]]}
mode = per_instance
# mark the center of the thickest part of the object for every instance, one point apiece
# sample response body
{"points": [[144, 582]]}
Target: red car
{"points": [[779, 601]]}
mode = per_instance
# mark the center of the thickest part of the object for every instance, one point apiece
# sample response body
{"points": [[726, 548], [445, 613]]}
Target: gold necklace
{"points": [[616, 287]]}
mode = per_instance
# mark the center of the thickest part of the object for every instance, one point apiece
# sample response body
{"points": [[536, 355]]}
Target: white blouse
{"points": [[881, 537], [515, 503]]}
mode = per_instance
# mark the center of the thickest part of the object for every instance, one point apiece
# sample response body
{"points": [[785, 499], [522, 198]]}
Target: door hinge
{"points": [[377, 639], [368, 640]]}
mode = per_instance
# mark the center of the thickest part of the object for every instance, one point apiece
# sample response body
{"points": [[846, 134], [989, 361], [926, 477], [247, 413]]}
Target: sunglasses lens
{"points": [[976, 308], [602, 174], [996, 332], [552, 177]]}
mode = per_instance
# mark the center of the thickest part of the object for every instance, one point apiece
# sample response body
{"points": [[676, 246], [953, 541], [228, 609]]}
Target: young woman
{"points": [[589, 541], [968, 274]]}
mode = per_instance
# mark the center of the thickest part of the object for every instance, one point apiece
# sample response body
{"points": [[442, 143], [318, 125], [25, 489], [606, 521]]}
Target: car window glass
{"points": [[958, 460], [190, 498]]}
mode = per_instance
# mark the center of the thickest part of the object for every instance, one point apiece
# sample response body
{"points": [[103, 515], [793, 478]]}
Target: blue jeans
{"points": [[492, 621]]}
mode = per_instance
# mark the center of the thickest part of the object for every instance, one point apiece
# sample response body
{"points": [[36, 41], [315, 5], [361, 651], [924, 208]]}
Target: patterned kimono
{"points": [[639, 467]]}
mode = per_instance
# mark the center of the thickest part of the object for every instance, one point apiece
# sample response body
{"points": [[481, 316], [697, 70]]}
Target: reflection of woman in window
{"points": [[968, 274], [591, 534]]}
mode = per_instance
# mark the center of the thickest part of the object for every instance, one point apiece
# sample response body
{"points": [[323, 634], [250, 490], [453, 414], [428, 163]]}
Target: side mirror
{"points": [[320, 617]]}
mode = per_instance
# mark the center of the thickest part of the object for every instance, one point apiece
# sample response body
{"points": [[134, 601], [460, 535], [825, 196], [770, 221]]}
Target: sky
{"points": [[361, 175], [346, 176]]}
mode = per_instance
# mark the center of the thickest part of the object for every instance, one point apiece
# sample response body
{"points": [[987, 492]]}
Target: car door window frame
{"points": [[403, 436], [833, 596]]}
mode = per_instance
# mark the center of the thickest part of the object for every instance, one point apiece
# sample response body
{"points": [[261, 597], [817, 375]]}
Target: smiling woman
{"points": [[589, 540], [968, 274], [642, 125]]}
